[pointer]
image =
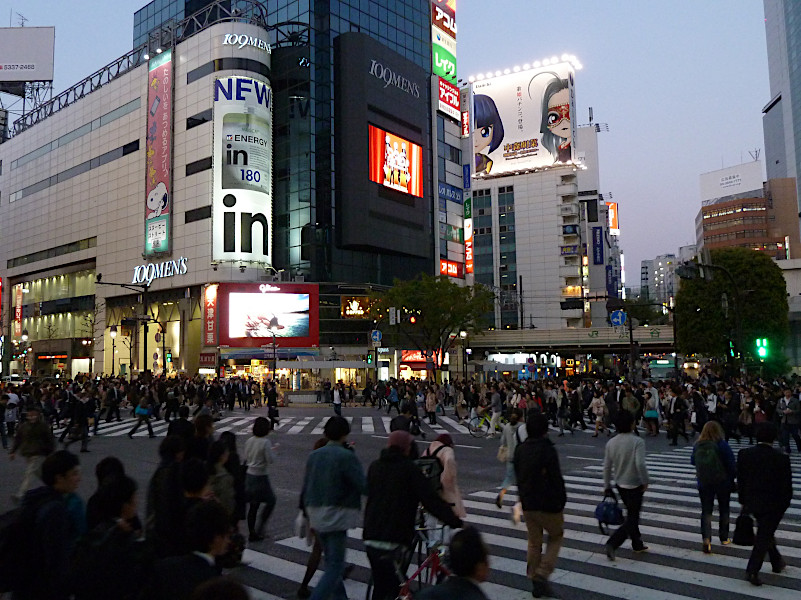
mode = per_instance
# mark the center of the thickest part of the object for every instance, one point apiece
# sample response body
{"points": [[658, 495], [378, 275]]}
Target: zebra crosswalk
{"points": [[674, 567], [242, 424]]}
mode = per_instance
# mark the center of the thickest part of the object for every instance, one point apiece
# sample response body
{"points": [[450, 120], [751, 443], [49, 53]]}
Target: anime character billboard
{"points": [[523, 120], [395, 162]]}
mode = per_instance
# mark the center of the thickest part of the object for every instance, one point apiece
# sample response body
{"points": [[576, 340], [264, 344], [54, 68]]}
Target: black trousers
{"points": [[677, 427], [387, 567], [632, 499], [765, 542]]}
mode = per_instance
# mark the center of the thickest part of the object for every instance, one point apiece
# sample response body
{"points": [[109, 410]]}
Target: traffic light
{"points": [[412, 319], [762, 350], [370, 358]]}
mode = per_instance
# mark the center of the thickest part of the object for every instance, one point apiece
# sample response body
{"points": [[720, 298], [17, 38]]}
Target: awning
{"points": [[321, 364]]}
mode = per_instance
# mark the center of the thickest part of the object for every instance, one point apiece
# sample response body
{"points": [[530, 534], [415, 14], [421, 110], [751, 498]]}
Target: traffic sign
{"points": [[157, 337], [375, 335], [618, 318]]}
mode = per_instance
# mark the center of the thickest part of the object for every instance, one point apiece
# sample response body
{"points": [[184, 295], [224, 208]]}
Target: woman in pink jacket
{"points": [[443, 447]]}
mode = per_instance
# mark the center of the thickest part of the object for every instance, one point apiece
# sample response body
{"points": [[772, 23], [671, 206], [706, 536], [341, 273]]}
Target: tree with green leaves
{"points": [[431, 312], [743, 297]]}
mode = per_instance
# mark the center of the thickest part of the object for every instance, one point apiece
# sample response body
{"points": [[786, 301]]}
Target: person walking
{"points": [[715, 471], [142, 413], [333, 485], [496, 405], [624, 458], [395, 488], [765, 485], [337, 400], [788, 411], [35, 441], [513, 434], [543, 495], [677, 413], [258, 491]]}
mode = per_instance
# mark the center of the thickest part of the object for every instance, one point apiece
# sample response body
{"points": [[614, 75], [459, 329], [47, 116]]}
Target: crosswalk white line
{"points": [[386, 421], [318, 430], [455, 425], [300, 425], [230, 426], [367, 425]]}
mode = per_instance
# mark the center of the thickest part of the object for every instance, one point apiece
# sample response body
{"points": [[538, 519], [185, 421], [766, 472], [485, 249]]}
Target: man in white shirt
{"points": [[625, 457]]}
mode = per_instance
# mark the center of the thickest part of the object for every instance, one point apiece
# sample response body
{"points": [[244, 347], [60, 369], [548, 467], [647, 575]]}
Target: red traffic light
{"points": [[412, 319]]}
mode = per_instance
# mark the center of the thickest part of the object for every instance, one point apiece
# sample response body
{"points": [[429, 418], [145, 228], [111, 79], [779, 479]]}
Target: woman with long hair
{"points": [[715, 470]]}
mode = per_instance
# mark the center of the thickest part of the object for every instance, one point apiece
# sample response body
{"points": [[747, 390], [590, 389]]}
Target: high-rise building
{"points": [[738, 209], [658, 279], [540, 233], [255, 168]]}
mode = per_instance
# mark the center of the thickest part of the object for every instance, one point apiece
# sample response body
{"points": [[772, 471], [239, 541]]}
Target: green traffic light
{"points": [[762, 347]]}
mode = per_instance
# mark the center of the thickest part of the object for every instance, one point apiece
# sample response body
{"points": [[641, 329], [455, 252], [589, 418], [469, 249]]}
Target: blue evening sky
{"points": [[681, 85]]}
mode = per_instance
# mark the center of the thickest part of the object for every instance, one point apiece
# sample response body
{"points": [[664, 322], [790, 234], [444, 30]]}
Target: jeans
{"points": [[331, 584], [786, 431], [631, 526], [708, 494], [764, 542], [338, 409], [539, 564]]}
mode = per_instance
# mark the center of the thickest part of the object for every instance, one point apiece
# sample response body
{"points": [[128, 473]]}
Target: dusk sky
{"points": [[681, 86]]}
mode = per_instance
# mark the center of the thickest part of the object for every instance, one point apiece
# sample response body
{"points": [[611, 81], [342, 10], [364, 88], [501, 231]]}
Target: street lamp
{"points": [[142, 289], [24, 335], [463, 335], [113, 334], [273, 326]]}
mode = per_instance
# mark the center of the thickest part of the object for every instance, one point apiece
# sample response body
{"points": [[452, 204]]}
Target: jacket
{"points": [[765, 480], [625, 454], [34, 439], [395, 486], [332, 488], [727, 458], [539, 478]]}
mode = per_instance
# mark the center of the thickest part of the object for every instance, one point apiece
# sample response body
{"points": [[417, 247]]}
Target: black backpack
{"points": [[432, 468]]}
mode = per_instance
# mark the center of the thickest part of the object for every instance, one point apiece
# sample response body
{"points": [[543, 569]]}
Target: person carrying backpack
{"points": [[715, 470]]}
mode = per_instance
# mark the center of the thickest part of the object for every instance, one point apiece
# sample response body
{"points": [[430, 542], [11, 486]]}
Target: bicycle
{"points": [[479, 426]]}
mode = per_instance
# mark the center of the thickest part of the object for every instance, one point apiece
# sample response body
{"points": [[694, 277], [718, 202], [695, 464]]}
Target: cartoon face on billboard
{"points": [[157, 200], [523, 120]]}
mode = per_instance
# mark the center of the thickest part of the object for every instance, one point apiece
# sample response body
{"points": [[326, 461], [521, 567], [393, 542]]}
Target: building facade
{"points": [[738, 209], [251, 173]]}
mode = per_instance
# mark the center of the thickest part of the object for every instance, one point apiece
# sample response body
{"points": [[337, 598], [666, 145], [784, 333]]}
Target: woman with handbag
{"points": [[715, 470], [513, 433], [745, 421], [651, 414], [142, 412], [258, 491]]}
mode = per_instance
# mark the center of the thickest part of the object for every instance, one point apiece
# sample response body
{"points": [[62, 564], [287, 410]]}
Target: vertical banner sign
{"points": [[611, 289], [614, 218], [468, 233], [18, 311], [242, 203], [210, 315], [597, 245], [158, 157]]}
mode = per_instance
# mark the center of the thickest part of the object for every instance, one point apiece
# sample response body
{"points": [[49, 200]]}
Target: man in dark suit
{"points": [[470, 565], [182, 426], [765, 483], [207, 531], [113, 398]]}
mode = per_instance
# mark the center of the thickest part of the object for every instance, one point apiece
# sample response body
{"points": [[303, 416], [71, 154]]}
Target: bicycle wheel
{"points": [[478, 427]]}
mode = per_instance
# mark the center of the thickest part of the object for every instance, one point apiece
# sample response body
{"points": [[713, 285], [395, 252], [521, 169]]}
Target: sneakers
{"points": [[707, 546], [610, 552], [726, 542]]}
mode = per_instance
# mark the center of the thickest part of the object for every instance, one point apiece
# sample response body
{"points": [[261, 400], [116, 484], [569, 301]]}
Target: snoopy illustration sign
{"points": [[158, 155]]}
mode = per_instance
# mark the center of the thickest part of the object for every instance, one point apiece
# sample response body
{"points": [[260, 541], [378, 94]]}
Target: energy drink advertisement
{"points": [[243, 162]]}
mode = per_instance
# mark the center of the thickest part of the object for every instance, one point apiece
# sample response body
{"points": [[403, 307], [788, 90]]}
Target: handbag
{"points": [[744, 530], [302, 528], [503, 454], [608, 512]]}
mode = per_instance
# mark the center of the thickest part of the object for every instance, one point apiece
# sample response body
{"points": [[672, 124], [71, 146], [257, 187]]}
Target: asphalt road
{"points": [[673, 568]]}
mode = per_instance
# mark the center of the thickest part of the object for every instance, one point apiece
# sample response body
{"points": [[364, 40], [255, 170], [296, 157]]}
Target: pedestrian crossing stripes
{"points": [[673, 568], [241, 424]]}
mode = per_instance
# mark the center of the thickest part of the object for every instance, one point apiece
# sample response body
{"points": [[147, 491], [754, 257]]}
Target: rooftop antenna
{"points": [[21, 19], [755, 153], [590, 115]]}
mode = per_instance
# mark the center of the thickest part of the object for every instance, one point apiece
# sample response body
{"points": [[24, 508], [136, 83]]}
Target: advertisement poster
{"points": [[448, 103], [597, 245], [614, 218], [243, 159], [210, 315], [395, 163], [158, 155], [523, 120], [18, 310], [468, 234], [250, 314]]}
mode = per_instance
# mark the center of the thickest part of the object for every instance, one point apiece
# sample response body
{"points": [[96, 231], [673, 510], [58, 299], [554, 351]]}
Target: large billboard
{"points": [[523, 120], [26, 53], [242, 204], [395, 162], [251, 313], [739, 179], [158, 157]]}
